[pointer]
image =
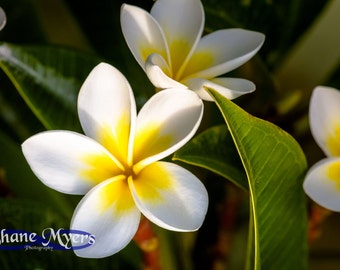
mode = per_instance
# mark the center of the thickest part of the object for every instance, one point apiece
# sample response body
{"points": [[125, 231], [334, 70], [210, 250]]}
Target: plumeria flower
{"points": [[322, 182], [117, 164], [167, 44]]}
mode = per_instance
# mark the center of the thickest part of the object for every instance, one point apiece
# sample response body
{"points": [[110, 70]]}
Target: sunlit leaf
{"points": [[275, 167]]}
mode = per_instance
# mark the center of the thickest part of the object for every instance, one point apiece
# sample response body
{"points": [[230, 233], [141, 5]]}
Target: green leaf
{"points": [[214, 150], [29, 215], [275, 167], [48, 79]]}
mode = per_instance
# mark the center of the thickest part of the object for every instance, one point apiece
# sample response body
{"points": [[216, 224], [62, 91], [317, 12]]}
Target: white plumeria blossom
{"points": [[117, 164], [167, 44], [322, 182]]}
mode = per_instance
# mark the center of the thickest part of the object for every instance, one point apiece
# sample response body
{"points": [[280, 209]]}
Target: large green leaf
{"points": [[214, 149], [275, 167], [49, 79]]}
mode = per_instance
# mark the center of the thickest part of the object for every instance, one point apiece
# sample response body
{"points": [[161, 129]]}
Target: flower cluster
{"points": [[116, 164], [322, 182]]}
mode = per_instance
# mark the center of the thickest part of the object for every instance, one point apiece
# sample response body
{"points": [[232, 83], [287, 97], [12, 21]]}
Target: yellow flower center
{"points": [[121, 169], [146, 51], [198, 62], [149, 141], [333, 141], [116, 139], [334, 173], [181, 69], [116, 194], [179, 50], [99, 168], [151, 181]]}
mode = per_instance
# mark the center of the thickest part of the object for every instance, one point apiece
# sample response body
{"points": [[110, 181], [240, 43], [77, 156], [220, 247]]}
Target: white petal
{"points": [[107, 109], [222, 51], [109, 213], [182, 23], [3, 19], [156, 68], [322, 183], [230, 88], [165, 123], [324, 118], [142, 33], [170, 196], [68, 162]]}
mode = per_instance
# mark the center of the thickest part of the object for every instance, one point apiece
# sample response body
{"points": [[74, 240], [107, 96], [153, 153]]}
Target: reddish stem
{"points": [[148, 242], [317, 216]]}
